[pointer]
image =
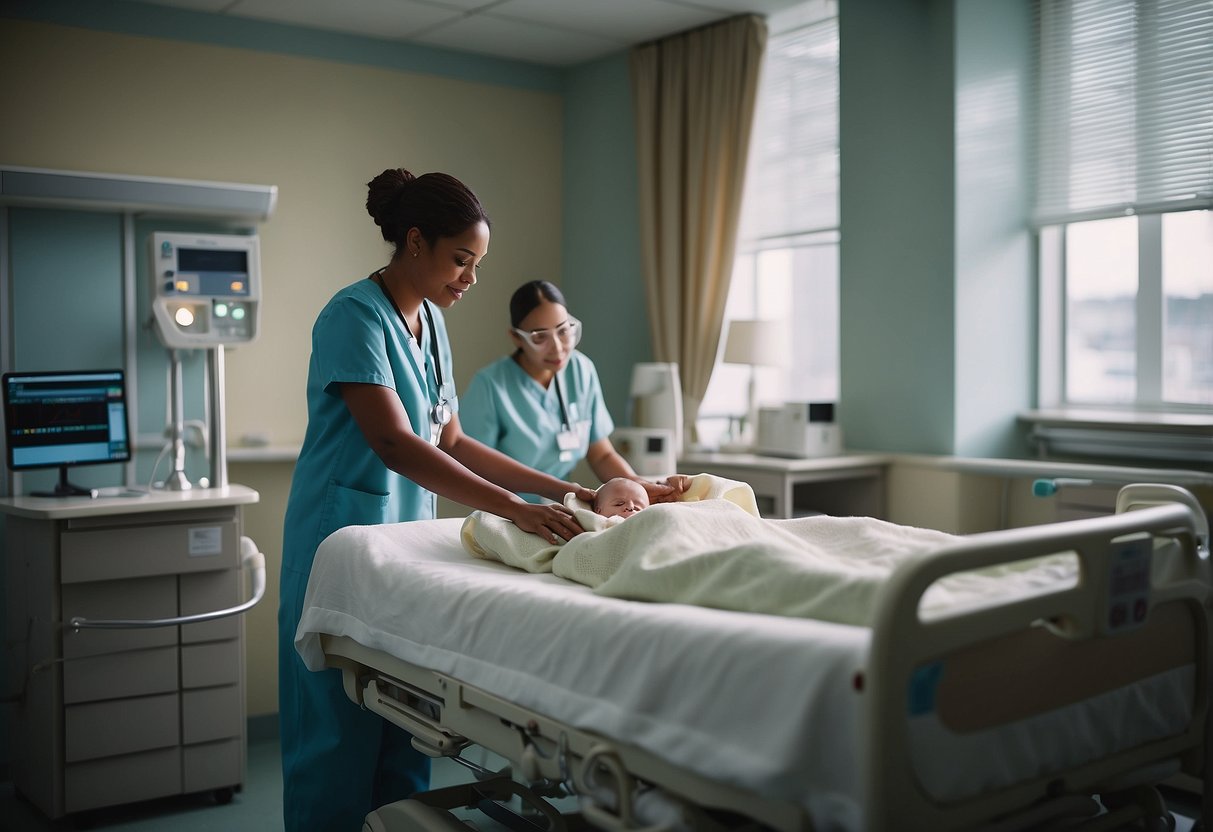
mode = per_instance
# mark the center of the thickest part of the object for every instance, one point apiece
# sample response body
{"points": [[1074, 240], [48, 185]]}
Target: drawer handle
{"points": [[250, 558]]}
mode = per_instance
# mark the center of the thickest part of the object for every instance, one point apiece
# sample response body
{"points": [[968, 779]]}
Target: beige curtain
{"points": [[694, 96]]}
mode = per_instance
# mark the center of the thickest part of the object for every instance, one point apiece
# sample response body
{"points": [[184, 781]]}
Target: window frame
{"points": [[1052, 221], [759, 240]]}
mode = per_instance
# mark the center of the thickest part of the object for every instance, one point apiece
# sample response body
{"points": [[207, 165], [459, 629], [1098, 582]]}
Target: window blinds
{"points": [[1125, 108], [792, 175]]}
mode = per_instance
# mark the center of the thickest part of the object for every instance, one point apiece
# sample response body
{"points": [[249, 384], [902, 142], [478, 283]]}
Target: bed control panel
{"points": [[1128, 595]]}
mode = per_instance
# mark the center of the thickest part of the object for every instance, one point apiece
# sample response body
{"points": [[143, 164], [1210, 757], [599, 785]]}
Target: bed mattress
{"points": [[764, 702]]}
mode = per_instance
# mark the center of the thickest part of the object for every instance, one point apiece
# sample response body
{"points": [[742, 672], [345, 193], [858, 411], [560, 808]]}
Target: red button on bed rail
{"points": [[857, 681]]}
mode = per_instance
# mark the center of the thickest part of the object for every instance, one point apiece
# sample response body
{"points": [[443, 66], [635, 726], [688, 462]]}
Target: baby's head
{"points": [[620, 497]]}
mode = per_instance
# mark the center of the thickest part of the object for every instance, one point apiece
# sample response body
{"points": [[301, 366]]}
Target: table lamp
{"points": [[756, 343]]}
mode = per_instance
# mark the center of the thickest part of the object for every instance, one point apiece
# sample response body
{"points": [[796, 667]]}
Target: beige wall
{"points": [[933, 496], [75, 99], [85, 100]]}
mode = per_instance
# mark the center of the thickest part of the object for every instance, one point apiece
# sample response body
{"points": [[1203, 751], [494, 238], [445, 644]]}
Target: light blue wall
{"points": [[66, 273], [995, 285], [936, 268], [897, 292], [601, 256]]}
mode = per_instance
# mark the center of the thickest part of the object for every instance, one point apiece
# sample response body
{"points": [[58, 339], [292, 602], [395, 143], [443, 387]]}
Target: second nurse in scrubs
{"points": [[542, 404]]}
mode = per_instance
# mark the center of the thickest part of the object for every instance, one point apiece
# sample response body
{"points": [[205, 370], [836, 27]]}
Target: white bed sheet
{"points": [[764, 702], [690, 684]]}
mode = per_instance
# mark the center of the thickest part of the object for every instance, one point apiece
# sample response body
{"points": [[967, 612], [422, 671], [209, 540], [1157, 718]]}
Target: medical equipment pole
{"points": [[218, 419], [177, 481]]}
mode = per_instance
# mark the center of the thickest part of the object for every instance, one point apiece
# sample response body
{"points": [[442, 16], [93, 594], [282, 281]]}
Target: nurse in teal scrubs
{"points": [[542, 404], [384, 437]]}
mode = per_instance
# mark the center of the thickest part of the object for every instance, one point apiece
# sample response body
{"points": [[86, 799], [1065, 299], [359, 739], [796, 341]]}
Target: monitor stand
{"points": [[63, 488]]}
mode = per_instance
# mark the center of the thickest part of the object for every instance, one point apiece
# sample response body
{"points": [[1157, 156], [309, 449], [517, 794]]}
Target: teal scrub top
{"points": [[505, 408], [339, 480]]}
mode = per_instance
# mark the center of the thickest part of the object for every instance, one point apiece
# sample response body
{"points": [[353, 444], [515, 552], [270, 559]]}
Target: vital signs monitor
{"points": [[206, 289]]}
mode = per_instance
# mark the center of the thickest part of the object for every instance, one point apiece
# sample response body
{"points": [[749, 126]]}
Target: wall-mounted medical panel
{"points": [[205, 289], [122, 193]]}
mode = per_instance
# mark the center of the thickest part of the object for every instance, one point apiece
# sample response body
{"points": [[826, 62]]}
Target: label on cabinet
{"points": [[206, 541]]}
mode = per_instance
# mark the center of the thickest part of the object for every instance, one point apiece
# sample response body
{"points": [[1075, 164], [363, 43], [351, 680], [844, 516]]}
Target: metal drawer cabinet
{"points": [[123, 701]]}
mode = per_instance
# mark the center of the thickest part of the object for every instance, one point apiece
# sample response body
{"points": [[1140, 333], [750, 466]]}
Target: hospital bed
{"points": [[1035, 711]]}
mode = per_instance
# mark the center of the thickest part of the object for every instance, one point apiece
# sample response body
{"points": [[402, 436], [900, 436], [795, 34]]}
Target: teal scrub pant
{"points": [[339, 762]]}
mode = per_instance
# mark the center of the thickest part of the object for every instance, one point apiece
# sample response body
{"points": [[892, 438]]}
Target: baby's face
{"points": [[620, 498]]}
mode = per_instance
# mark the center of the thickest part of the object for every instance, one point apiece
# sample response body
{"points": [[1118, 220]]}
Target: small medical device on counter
{"points": [[656, 399], [650, 451], [206, 289], [798, 429], [654, 441]]}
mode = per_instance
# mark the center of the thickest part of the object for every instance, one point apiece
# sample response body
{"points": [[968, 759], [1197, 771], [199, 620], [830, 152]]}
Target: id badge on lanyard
{"points": [[568, 442]]}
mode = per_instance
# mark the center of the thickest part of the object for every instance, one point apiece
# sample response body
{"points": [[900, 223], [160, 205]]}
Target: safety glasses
{"points": [[568, 333]]}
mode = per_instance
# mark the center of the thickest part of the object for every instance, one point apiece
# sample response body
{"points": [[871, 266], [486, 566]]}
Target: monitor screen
{"points": [[65, 418]]}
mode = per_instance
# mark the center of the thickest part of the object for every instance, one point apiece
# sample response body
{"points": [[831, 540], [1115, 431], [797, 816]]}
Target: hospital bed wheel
{"points": [[1163, 823], [412, 816], [224, 795]]}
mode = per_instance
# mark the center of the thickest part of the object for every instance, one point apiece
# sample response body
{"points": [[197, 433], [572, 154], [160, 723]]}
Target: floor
{"points": [[258, 807]]}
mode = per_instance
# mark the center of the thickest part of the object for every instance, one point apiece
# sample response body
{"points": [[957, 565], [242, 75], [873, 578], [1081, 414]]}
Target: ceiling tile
{"points": [[729, 8], [489, 35], [462, 5], [195, 5], [549, 32], [628, 21], [388, 19]]}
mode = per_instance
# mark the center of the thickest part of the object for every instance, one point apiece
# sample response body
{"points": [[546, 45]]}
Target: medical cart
{"points": [[118, 699]]}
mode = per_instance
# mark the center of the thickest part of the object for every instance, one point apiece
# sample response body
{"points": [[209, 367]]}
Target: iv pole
{"points": [[218, 418], [176, 481]]}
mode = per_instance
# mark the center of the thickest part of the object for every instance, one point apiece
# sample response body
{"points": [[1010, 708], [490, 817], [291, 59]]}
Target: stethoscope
{"points": [[440, 413]]}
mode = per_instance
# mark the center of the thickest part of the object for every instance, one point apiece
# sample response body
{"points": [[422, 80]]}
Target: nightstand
{"points": [[847, 485]]}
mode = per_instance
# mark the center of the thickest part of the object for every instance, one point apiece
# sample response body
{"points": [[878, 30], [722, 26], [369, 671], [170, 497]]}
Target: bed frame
{"points": [[1004, 663]]}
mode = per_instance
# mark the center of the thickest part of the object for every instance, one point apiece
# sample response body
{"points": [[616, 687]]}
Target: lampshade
{"points": [[759, 343]]}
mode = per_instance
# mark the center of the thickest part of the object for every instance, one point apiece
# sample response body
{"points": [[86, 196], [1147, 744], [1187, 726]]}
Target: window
{"points": [[786, 270], [1124, 190]]}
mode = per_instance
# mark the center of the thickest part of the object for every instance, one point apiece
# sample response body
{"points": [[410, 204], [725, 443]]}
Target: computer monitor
{"points": [[61, 419]]}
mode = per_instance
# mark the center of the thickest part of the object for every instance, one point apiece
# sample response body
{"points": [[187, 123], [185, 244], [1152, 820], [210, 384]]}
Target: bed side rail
{"points": [[1145, 494], [1080, 611], [903, 642]]}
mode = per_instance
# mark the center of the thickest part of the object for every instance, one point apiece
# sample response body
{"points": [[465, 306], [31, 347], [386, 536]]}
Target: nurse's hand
{"points": [[669, 490], [551, 522], [586, 495]]}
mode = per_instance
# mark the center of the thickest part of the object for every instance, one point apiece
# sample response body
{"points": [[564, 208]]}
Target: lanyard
{"points": [[565, 422]]}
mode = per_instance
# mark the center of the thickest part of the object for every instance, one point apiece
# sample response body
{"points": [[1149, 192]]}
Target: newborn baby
{"points": [[620, 497]]}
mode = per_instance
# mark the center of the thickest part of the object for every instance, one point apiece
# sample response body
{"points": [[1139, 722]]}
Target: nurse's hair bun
{"points": [[436, 204], [382, 197]]}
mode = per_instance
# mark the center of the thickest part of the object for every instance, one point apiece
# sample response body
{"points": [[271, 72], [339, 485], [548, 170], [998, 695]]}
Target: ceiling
{"points": [[557, 33]]}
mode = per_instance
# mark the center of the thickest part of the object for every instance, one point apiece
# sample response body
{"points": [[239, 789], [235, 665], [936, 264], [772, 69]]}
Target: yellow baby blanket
{"points": [[718, 553]]}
